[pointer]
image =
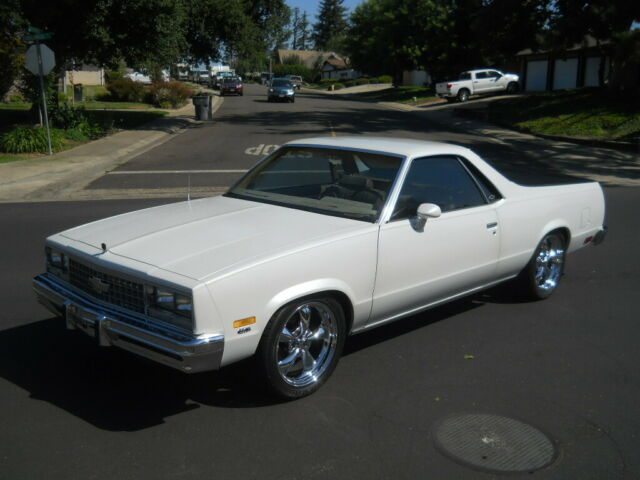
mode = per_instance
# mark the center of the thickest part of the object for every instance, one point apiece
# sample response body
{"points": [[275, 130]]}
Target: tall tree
{"points": [[295, 28], [331, 23], [304, 35], [11, 24]]}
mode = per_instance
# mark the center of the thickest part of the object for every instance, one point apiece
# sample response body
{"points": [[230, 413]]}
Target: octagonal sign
{"points": [[48, 59]]}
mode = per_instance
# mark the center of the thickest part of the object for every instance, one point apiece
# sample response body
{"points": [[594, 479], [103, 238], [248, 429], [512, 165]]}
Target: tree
{"points": [[304, 35], [10, 45], [331, 23], [390, 36]]}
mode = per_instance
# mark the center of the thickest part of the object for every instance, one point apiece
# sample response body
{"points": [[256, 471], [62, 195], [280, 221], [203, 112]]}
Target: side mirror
{"points": [[426, 211]]}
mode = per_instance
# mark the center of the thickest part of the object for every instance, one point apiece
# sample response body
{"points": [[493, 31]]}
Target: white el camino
{"points": [[324, 238]]}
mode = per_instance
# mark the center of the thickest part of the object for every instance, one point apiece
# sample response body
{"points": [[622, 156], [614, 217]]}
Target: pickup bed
{"points": [[477, 82]]}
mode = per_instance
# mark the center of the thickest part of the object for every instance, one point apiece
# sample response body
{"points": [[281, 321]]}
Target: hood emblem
{"points": [[98, 285]]}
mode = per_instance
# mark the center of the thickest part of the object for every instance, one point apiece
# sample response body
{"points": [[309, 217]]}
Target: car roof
{"points": [[398, 146]]}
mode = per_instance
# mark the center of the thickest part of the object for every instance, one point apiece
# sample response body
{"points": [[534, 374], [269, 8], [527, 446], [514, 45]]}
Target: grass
{"points": [[586, 113], [399, 94]]}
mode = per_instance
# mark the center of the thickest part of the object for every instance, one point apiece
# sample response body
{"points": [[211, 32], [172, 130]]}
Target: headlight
{"points": [[271, 90], [165, 304], [57, 263]]}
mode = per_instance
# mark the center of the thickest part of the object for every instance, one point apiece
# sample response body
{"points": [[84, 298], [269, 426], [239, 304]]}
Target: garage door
{"points": [[536, 75], [565, 73]]}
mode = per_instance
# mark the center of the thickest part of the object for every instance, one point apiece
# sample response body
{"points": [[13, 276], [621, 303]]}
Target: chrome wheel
{"points": [[549, 262], [301, 346], [307, 344]]}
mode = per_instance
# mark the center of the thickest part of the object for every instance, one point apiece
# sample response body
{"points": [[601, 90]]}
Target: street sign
{"points": [[48, 59], [36, 37]]}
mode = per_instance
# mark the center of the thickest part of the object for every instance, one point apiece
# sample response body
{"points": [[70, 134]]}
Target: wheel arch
{"points": [[341, 293]]}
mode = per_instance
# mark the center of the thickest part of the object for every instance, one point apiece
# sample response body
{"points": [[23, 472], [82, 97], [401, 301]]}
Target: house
{"points": [[416, 78], [334, 67], [577, 66], [84, 74]]}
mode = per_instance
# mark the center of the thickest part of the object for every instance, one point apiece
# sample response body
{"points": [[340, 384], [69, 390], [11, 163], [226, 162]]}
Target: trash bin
{"points": [[203, 106], [77, 93]]}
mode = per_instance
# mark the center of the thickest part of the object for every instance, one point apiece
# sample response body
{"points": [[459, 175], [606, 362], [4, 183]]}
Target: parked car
{"points": [[296, 80], [265, 78], [478, 82], [231, 85], [139, 77], [324, 238], [281, 89]]}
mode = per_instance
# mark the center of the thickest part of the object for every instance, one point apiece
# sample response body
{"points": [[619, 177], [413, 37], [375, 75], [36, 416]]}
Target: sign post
{"points": [[39, 61]]}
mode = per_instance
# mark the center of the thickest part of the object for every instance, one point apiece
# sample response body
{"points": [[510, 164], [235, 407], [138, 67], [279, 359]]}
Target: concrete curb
{"points": [[64, 174]]}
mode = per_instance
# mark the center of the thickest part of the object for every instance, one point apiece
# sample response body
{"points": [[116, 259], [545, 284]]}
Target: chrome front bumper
{"points": [[110, 327]]}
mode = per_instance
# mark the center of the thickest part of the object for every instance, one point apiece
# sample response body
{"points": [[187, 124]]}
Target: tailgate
{"points": [[442, 87]]}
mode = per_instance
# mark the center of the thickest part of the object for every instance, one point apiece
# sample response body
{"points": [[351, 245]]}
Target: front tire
{"points": [[301, 346], [541, 277], [512, 88]]}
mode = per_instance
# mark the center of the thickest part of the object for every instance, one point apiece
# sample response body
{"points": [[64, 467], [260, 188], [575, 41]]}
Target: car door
{"points": [[453, 253], [481, 82], [497, 81]]}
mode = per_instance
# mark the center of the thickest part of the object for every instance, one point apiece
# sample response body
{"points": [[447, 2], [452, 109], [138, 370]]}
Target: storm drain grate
{"points": [[494, 443]]}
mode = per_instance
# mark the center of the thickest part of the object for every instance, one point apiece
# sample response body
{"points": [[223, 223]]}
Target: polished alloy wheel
{"points": [[549, 262], [307, 344]]}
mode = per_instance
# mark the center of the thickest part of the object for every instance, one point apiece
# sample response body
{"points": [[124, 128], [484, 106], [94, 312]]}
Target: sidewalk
{"points": [[58, 176], [612, 167]]}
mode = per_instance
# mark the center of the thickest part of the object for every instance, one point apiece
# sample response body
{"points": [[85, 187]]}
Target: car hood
{"points": [[206, 238]]}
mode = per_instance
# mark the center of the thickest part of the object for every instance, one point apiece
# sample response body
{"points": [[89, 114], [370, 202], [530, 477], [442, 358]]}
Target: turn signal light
{"points": [[244, 322]]}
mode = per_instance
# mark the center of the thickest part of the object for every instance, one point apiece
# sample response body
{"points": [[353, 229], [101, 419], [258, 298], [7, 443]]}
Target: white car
{"points": [[478, 82], [324, 238]]}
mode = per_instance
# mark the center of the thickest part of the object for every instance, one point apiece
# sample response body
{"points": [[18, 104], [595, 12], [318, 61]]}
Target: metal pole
{"points": [[44, 99]]}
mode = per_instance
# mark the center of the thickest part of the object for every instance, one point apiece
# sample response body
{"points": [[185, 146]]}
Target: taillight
{"points": [[449, 85]]}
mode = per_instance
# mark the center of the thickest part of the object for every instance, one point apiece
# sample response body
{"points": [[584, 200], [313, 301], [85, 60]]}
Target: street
{"points": [[566, 365]]}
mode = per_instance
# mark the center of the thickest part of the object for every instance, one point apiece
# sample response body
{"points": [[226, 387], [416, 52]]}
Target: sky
{"points": [[311, 7]]}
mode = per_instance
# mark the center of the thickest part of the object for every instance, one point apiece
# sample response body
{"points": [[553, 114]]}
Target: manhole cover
{"points": [[495, 443]]}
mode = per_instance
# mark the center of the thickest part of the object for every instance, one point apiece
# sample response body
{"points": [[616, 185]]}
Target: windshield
{"points": [[280, 83], [335, 182]]}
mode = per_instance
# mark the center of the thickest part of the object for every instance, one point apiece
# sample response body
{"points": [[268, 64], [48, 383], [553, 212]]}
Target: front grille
{"points": [[108, 288]]}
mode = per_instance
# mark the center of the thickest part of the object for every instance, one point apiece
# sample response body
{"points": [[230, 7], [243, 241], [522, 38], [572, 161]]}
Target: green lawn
{"points": [[582, 113], [400, 95]]}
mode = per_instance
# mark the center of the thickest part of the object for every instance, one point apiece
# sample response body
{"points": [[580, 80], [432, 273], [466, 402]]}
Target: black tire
{"points": [[541, 277], [463, 95], [513, 87], [301, 346]]}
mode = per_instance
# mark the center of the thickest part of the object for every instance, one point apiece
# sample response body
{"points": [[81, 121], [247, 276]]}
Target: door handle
{"points": [[492, 225]]}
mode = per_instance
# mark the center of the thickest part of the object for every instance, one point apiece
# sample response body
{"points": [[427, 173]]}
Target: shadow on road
{"points": [[117, 391]]}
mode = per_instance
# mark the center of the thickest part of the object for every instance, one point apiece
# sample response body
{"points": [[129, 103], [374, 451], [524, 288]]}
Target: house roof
{"points": [[310, 58], [336, 63], [588, 42]]}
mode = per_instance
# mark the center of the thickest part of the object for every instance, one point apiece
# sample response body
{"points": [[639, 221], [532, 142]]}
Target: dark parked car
{"points": [[281, 89], [231, 85]]}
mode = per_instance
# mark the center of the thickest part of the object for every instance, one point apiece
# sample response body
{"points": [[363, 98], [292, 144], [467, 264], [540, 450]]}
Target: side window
{"points": [[480, 75], [491, 193], [493, 74], [440, 180]]}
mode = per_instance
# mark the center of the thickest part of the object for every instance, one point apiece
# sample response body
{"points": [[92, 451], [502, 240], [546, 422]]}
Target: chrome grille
{"points": [[108, 288]]}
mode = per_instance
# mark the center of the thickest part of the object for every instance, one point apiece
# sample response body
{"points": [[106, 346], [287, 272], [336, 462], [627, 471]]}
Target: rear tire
{"points": [[301, 346], [541, 277], [463, 95]]}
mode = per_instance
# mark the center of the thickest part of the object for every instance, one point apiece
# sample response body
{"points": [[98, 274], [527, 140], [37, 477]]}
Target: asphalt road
{"points": [[566, 365]]}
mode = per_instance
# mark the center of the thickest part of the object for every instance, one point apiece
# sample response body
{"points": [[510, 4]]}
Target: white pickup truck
{"points": [[477, 82]]}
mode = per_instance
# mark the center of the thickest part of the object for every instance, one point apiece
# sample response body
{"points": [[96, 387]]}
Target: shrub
{"points": [[385, 79], [329, 81], [66, 116], [374, 80], [30, 140], [349, 83], [338, 86], [126, 90], [170, 94], [16, 98], [362, 81], [282, 70]]}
